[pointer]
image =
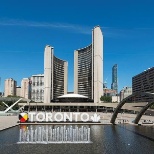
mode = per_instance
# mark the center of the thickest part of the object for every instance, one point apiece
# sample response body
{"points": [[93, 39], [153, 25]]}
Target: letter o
{"points": [[84, 114], [55, 116], [43, 117]]}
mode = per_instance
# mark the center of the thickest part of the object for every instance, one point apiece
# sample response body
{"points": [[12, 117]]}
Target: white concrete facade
{"points": [[97, 47], [65, 77], [76, 72], [48, 74], [37, 88], [88, 68], [10, 87], [115, 99], [55, 75]]}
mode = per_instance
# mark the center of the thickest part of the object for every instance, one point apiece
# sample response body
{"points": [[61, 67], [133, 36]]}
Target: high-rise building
{"points": [[88, 68], [55, 75], [114, 84], [144, 82], [25, 88], [37, 88], [10, 87], [18, 91]]}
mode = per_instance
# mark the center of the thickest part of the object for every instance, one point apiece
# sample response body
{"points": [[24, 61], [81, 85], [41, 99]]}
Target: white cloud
{"points": [[71, 27]]}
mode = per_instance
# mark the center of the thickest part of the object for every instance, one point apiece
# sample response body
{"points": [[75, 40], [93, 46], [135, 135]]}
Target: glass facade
{"points": [[85, 71], [144, 82], [114, 85], [55, 76], [58, 76]]}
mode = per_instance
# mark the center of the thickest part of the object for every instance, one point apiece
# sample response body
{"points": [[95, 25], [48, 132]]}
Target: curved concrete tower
{"points": [[88, 68], [55, 75]]}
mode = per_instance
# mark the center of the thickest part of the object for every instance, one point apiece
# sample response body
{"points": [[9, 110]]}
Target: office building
{"points": [[144, 82], [10, 87], [55, 76], [88, 68], [125, 92], [114, 85], [18, 91], [37, 88], [115, 99], [25, 88], [109, 92]]}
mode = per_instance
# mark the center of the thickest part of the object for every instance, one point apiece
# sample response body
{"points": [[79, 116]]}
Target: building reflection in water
{"points": [[54, 134]]}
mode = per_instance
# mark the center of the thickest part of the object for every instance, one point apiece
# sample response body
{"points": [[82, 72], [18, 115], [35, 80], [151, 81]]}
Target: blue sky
{"points": [[27, 26]]}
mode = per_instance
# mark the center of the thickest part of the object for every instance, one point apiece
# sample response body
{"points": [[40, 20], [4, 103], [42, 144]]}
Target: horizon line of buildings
{"points": [[142, 82]]}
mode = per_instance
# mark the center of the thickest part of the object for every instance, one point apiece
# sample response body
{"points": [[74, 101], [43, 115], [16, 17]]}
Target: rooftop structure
{"points": [[73, 98]]}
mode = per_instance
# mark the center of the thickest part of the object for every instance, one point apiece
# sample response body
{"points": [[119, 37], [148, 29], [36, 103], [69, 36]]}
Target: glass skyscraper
{"points": [[114, 84]]}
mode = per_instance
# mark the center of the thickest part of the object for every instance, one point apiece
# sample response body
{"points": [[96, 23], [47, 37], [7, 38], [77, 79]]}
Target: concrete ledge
{"points": [[56, 123], [7, 122], [9, 127]]}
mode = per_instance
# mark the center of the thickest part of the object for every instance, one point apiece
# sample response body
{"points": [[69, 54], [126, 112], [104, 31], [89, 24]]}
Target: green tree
{"points": [[106, 98], [13, 96], [152, 107]]}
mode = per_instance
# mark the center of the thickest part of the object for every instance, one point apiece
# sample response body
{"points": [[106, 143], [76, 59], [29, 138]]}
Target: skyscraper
{"points": [[114, 84], [88, 68], [55, 75]]}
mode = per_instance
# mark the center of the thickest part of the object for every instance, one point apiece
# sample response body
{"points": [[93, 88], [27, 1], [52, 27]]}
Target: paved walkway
{"points": [[8, 121]]}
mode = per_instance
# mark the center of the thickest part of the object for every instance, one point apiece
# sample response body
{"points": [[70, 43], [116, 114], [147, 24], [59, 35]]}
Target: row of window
{"points": [[38, 91], [38, 84], [37, 98]]}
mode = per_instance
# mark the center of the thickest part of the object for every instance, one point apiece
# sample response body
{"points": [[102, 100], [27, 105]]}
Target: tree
{"points": [[106, 98], [152, 107], [13, 96]]}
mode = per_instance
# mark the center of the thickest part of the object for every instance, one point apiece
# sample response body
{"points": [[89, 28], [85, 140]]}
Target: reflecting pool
{"points": [[77, 139]]}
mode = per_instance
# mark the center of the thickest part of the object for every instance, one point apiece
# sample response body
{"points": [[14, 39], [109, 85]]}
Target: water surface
{"points": [[104, 139]]}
